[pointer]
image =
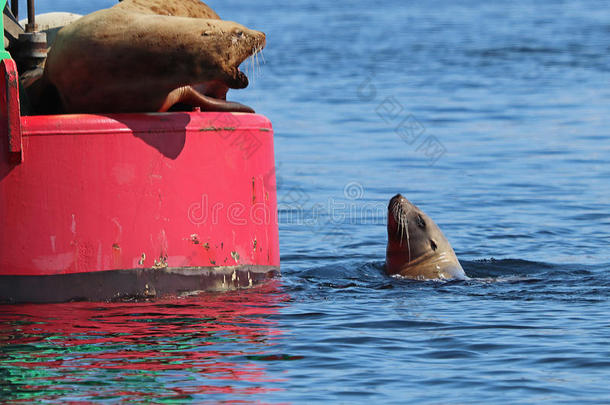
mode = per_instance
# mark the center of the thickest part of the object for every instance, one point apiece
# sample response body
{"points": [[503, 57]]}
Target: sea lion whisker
{"points": [[406, 216], [258, 64], [250, 67], [405, 236], [255, 66], [397, 218], [403, 224]]}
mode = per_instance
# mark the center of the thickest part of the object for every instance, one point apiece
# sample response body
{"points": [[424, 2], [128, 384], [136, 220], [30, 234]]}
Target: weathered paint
{"points": [[132, 283], [10, 113], [134, 191]]}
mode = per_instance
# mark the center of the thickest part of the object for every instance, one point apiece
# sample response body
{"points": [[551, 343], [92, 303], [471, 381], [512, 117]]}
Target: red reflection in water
{"points": [[205, 344]]}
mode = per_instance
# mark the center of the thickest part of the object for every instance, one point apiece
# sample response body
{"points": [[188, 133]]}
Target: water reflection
{"points": [[201, 347]]}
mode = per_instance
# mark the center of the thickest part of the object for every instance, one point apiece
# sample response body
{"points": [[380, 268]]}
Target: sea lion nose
{"points": [[397, 199]]}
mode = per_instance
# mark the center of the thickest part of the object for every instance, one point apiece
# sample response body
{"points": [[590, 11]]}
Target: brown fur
{"points": [[183, 8], [133, 56]]}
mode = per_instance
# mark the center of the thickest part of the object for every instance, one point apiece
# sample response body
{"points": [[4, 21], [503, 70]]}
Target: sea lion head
{"points": [[231, 44], [416, 246], [213, 47], [219, 47]]}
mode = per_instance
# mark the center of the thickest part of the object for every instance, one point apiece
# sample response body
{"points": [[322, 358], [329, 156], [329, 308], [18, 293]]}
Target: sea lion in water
{"points": [[148, 55], [417, 248]]}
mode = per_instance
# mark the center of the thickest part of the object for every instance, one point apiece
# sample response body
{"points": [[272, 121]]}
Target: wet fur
{"points": [[422, 252]]}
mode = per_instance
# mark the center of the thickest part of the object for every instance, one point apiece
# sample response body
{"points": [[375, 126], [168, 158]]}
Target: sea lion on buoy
{"points": [[148, 55], [417, 248]]}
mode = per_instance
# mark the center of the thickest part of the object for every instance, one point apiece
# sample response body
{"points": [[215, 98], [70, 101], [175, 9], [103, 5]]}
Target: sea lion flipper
{"points": [[189, 96]]}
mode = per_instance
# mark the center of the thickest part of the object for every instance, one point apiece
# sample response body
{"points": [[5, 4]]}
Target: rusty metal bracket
{"points": [[11, 113]]}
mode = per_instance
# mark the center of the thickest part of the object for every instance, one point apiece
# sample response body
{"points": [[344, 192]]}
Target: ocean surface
{"points": [[492, 117]]}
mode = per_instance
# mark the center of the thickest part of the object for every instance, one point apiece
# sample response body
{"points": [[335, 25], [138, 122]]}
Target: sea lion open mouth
{"points": [[212, 95], [235, 77], [255, 41], [151, 55]]}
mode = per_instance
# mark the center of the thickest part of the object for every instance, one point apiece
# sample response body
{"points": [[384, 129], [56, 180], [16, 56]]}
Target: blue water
{"points": [[493, 117]]}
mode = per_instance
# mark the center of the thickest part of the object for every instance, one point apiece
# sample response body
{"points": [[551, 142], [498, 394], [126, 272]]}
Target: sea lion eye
{"points": [[420, 221], [433, 245]]}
